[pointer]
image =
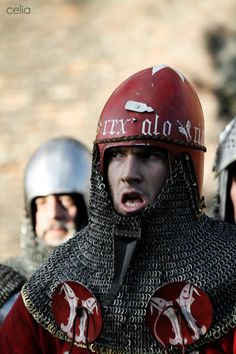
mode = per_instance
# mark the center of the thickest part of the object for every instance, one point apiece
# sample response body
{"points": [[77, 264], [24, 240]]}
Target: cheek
{"points": [[38, 217], [233, 192], [39, 222], [72, 213], [112, 172], [159, 175], [160, 172]]}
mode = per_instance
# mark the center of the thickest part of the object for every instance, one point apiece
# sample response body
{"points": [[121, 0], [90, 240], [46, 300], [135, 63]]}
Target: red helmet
{"points": [[156, 106]]}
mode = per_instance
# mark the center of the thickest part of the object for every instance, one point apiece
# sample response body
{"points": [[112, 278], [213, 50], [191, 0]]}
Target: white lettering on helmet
{"points": [[114, 122], [197, 135], [123, 122], [105, 126], [155, 132], [115, 126], [146, 127], [167, 128], [153, 128]]}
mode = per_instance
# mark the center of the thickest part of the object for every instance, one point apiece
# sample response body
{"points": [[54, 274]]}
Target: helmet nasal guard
{"points": [[156, 106]]}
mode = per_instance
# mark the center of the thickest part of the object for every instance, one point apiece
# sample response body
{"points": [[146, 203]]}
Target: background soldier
{"points": [[146, 272], [225, 171], [56, 187]]}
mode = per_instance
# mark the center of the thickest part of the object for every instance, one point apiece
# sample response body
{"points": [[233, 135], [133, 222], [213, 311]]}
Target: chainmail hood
{"points": [[177, 244], [10, 283], [33, 251]]}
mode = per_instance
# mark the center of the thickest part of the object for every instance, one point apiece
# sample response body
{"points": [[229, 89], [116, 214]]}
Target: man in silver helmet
{"points": [[56, 187], [151, 272], [225, 172]]}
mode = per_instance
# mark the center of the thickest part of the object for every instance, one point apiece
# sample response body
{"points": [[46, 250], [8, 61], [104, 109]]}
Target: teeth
{"points": [[132, 203]]}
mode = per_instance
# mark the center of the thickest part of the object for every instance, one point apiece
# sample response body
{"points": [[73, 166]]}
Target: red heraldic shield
{"points": [[178, 314], [77, 312]]}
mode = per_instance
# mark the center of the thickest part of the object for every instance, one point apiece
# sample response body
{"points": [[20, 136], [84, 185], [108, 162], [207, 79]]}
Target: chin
{"points": [[131, 212], [58, 240]]}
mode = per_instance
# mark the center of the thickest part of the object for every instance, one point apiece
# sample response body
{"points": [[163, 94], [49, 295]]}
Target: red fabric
{"points": [[21, 334], [226, 344]]}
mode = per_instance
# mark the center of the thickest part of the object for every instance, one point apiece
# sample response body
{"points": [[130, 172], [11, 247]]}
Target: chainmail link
{"points": [[216, 207], [10, 283], [33, 252], [176, 245]]}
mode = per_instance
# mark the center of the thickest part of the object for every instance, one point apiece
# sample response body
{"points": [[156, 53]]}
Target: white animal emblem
{"points": [[185, 301], [88, 306], [185, 130], [72, 300], [166, 308]]}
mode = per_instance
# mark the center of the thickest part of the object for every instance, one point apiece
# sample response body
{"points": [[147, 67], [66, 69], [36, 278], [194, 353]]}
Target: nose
{"points": [[131, 172], [54, 208]]}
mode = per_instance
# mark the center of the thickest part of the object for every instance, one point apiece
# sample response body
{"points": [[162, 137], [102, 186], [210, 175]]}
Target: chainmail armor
{"points": [[10, 283], [177, 244], [33, 252]]}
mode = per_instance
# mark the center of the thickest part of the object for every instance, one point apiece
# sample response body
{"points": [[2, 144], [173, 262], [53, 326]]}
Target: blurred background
{"points": [[60, 60]]}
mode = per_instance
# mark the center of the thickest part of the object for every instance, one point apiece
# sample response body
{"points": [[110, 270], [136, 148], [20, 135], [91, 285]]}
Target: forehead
{"points": [[138, 149], [55, 196]]}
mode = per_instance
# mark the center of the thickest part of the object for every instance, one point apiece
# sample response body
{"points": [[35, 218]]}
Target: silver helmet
{"points": [[61, 165], [225, 160]]}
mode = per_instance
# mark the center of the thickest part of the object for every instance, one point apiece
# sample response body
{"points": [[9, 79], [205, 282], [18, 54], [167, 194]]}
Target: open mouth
{"points": [[132, 202]]}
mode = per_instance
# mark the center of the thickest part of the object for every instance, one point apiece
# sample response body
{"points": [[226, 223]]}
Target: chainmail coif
{"points": [[176, 245], [10, 283], [33, 251]]}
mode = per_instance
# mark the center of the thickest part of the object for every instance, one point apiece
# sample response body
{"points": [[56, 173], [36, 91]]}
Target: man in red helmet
{"points": [[151, 271]]}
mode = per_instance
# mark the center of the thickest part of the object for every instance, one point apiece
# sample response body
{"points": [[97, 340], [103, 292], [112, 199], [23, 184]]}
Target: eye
{"points": [[67, 201], [115, 153], [147, 153], [40, 201], [153, 155]]}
